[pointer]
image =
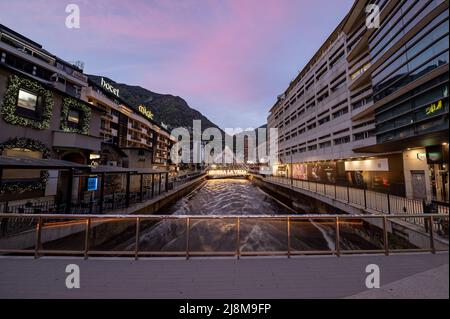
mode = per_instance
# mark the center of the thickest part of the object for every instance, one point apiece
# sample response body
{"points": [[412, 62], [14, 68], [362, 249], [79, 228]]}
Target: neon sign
{"points": [[433, 108], [147, 113], [107, 86]]}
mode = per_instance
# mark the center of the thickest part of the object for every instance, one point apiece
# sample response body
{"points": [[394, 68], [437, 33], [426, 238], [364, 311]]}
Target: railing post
{"points": [[38, 238], [167, 182], [386, 236], [432, 246], [127, 193], [338, 238], [159, 182], [335, 191], [188, 226], [153, 185], [289, 236], [348, 195], [86, 238], [102, 191], [365, 197], [69, 191], [389, 203], [136, 244], [238, 238], [141, 188]]}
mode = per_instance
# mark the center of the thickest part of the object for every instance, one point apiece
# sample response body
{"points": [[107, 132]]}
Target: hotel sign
{"points": [[146, 112], [108, 87]]}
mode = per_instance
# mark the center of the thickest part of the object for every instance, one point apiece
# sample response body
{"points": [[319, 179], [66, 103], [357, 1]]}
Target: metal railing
{"points": [[235, 225], [97, 205], [383, 203]]}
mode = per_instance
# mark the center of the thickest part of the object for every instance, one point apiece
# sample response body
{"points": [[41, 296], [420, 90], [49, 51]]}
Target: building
{"points": [[131, 138], [370, 109], [42, 115]]}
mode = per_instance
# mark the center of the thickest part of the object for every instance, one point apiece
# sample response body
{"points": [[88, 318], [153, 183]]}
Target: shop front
{"points": [[437, 161], [384, 174]]}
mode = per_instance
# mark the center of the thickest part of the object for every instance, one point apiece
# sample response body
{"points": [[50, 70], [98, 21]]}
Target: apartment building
{"points": [[370, 109], [130, 136]]}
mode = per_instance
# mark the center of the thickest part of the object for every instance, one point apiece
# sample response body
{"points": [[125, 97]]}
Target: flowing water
{"points": [[239, 197]]}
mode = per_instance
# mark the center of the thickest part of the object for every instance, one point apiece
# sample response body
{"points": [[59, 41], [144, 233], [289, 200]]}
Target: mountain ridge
{"points": [[169, 109]]}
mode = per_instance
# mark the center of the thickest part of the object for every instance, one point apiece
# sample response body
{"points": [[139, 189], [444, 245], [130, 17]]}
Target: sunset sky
{"points": [[228, 59]]}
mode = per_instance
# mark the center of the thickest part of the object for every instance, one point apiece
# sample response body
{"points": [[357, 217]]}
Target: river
{"points": [[240, 197]]}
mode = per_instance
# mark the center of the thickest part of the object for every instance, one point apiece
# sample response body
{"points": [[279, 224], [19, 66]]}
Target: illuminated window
{"points": [[74, 117], [27, 100]]}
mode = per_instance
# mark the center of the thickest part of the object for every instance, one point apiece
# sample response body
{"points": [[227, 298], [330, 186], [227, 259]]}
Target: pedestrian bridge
{"points": [[224, 173]]}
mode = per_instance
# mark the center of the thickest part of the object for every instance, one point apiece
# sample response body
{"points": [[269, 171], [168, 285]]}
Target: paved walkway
{"points": [[405, 275]]}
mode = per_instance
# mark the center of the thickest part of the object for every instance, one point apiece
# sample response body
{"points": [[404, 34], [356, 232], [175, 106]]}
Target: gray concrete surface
{"points": [[405, 275]]}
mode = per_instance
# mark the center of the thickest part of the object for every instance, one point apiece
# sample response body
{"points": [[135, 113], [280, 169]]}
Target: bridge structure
{"points": [[287, 272], [227, 171]]}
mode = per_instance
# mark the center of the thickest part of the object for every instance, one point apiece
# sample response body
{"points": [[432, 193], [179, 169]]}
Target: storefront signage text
{"points": [[108, 87], [433, 108]]}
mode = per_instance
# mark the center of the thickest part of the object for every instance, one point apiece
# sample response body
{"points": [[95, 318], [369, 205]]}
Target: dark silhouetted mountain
{"points": [[166, 108]]}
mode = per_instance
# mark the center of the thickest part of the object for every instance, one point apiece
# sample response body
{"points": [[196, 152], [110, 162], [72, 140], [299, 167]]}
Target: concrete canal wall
{"points": [[306, 202]]}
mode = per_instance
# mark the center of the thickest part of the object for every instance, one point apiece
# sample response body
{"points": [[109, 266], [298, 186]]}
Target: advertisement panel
{"points": [[299, 171], [322, 172]]}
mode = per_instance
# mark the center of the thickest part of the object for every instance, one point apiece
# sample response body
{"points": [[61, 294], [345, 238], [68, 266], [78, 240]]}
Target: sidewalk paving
{"points": [[403, 275]]}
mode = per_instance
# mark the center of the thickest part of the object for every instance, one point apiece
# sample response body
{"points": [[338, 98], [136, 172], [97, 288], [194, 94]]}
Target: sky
{"points": [[229, 59]]}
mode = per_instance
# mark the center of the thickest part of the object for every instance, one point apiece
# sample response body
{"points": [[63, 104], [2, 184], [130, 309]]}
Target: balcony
{"points": [[76, 140]]}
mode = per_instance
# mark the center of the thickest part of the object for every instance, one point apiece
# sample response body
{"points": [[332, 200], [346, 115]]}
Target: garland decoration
{"points": [[26, 143], [25, 186], [8, 110], [85, 112]]}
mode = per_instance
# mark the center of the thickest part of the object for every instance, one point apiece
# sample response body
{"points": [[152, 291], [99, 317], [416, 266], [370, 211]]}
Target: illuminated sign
{"points": [[375, 165], [433, 108], [108, 87], [92, 183], [147, 113], [421, 156]]}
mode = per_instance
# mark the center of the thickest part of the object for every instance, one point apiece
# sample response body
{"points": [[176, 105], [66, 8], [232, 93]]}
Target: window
{"points": [[325, 144], [27, 100], [340, 112], [342, 140], [73, 119], [324, 120]]}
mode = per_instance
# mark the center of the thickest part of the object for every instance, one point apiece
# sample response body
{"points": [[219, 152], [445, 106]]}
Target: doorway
{"points": [[418, 184]]}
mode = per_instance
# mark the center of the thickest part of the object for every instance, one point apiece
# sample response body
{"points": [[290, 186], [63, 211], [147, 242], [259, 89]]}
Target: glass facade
{"points": [[424, 109]]}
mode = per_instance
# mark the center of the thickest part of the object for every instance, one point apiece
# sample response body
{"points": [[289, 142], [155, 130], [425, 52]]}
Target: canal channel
{"points": [[222, 197]]}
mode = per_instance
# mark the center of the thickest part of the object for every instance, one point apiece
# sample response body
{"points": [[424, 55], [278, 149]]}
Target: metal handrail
{"points": [[338, 219]]}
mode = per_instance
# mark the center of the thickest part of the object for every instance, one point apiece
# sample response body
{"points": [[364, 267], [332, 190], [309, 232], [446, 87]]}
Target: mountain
{"points": [[166, 108]]}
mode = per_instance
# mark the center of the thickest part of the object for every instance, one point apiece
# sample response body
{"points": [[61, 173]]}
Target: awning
{"points": [[109, 169], [10, 162], [430, 139]]}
